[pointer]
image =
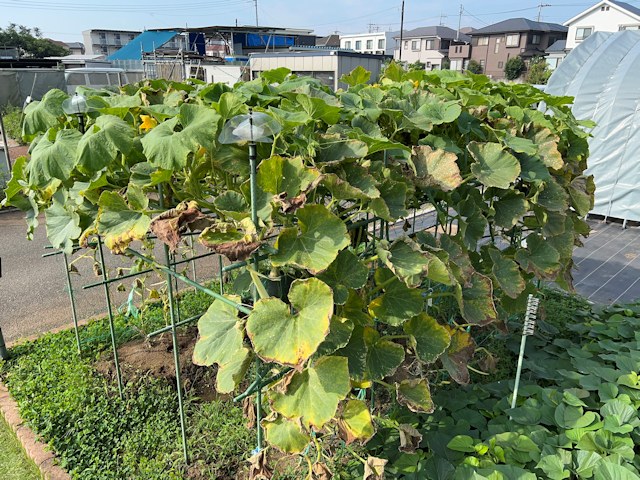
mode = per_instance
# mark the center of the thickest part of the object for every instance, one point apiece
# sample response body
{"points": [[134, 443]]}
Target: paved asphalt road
{"points": [[33, 290], [34, 298]]}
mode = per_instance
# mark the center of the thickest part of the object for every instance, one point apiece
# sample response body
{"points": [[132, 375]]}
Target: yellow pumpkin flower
{"points": [[416, 84], [148, 122]]}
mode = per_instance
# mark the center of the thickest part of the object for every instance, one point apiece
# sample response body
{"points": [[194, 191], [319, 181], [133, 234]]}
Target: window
{"points": [[497, 45], [500, 64], [629, 27], [552, 40], [369, 44], [513, 40], [456, 65], [430, 44], [482, 64], [535, 39], [76, 79], [347, 44], [131, 37], [358, 44], [406, 45], [98, 79], [582, 33], [381, 43], [604, 8], [483, 41], [428, 65], [415, 45], [552, 62]]}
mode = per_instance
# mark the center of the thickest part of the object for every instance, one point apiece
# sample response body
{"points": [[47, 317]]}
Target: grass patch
{"points": [[14, 463]]}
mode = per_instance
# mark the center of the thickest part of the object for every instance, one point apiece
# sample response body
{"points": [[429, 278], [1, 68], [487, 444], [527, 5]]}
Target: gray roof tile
{"points": [[519, 25]]}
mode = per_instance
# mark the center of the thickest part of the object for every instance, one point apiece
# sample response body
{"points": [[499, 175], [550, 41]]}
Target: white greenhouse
{"points": [[603, 74]]}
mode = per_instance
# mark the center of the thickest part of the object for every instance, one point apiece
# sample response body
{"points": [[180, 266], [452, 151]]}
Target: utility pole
{"points": [[442, 15], [401, 31], [540, 8], [459, 22], [256, 3]]}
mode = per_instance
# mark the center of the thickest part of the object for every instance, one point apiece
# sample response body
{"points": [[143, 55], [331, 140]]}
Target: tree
{"points": [[29, 42], [538, 73], [514, 68], [416, 66], [474, 67], [446, 64]]}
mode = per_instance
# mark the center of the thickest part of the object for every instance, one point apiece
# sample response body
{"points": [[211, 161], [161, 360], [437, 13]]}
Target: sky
{"points": [[66, 19]]}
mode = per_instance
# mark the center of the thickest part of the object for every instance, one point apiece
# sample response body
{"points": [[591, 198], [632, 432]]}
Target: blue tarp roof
{"points": [[131, 51]]}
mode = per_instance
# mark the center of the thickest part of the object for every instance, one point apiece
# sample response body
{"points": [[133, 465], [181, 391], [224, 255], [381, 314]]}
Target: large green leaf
{"points": [[285, 434], [440, 112], [392, 202], [334, 149], [581, 191], [54, 156], [458, 354], [477, 300], [405, 259], [539, 258], [547, 143], [286, 338], [231, 374], [507, 274], [221, 334], [509, 209], [232, 204], [355, 351], [169, 149], [43, 115], [435, 168], [346, 271], [313, 394], [355, 422], [317, 109], [532, 169], [553, 467], [398, 303], [494, 167], [429, 338], [340, 330], [322, 236], [383, 356], [103, 141], [357, 76], [415, 394], [552, 196], [278, 175], [63, 224], [119, 224]]}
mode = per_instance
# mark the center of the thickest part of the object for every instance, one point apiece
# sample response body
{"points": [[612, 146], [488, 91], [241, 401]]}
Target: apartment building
{"points": [[374, 43], [493, 45], [434, 46], [106, 42]]}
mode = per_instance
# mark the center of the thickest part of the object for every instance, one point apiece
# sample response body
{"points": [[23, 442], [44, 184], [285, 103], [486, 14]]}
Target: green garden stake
{"points": [[221, 275], [73, 303], [253, 127], [110, 313], [176, 353], [529, 326], [193, 260]]}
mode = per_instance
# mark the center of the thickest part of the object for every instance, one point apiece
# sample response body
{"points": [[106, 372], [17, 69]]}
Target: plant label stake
{"points": [[529, 327]]}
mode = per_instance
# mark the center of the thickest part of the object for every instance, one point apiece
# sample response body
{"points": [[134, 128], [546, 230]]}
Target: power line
{"points": [[121, 8], [354, 18]]}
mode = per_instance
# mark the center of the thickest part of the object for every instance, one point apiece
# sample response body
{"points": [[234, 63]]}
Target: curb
{"points": [[45, 460]]}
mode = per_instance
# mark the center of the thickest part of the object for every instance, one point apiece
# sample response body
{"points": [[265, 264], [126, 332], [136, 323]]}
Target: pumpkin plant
{"points": [[496, 170]]}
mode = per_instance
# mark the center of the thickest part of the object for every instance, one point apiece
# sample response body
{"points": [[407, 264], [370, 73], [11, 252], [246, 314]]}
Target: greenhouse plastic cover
{"points": [[603, 74]]}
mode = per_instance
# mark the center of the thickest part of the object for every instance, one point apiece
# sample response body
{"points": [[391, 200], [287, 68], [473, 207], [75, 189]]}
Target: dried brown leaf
{"points": [[374, 468]]}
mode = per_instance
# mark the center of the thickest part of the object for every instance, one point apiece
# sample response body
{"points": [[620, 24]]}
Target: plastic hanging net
{"points": [[251, 127]]}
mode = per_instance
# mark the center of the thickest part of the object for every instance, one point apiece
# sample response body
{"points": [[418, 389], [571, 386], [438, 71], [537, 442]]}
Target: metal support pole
{"points": [[528, 327], [110, 312], [254, 217], [81, 122], [5, 141], [73, 303], [176, 356], [193, 261], [221, 274], [4, 354]]}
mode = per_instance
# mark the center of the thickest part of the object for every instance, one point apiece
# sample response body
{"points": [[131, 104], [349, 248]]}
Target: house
{"points": [[556, 53], [604, 16], [325, 65], [373, 43], [76, 48], [435, 47], [106, 42], [493, 45]]}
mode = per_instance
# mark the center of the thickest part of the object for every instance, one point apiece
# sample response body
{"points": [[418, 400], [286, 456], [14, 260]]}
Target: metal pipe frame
{"points": [[73, 302]]}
